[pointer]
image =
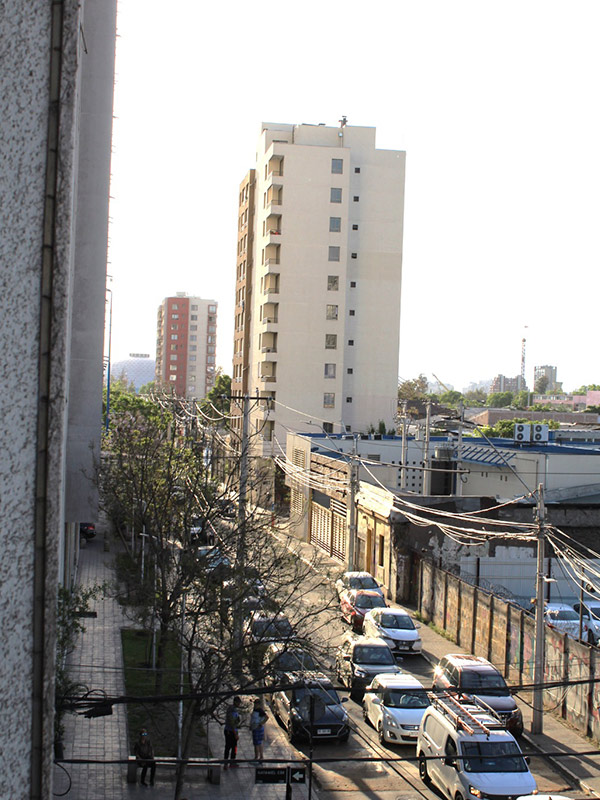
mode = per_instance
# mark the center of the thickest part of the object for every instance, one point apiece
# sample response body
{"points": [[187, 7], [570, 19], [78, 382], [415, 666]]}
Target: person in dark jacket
{"points": [[232, 724], [144, 752]]}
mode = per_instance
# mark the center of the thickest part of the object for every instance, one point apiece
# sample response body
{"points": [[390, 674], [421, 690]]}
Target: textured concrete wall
{"points": [[38, 216], [24, 103]]}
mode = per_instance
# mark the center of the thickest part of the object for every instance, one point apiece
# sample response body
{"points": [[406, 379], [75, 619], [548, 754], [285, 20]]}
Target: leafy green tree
{"points": [[499, 399], [218, 399], [148, 388], [541, 385], [521, 399], [475, 397], [451, 398], [413, 389], [590, 387]]}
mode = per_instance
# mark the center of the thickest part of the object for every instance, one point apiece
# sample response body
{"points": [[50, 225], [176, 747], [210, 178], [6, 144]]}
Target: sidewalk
{"points": [[558, 737], [97, 663]]}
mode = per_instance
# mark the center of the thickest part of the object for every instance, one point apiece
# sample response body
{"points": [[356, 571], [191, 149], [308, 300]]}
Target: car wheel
{"points": [[345, 737], [458, 796], [365, 715], [380, 735], [423, 772]]}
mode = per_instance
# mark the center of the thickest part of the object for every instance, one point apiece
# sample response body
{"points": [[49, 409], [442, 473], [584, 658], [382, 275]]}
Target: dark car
{"points": [[87, 530], [281, 658], [355, 603], [311, 708], [358, 660], [475, 676]]}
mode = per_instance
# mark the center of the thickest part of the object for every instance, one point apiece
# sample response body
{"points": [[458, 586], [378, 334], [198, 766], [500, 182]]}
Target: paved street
{"points": [[97, 663]]}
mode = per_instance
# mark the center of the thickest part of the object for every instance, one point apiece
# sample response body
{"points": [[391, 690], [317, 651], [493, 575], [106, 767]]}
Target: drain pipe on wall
{"points": [[40, 778]]}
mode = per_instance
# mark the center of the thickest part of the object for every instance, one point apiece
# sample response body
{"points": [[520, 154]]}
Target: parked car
{"points": [[467, 753], [591, 616], [564, 618], [201, 532], [281, 658], [293, 707], [477, 677], [396, 627], [359, 659], [355, 603], [265, 628], [212, 559], [87, 530], [357, 580], [394, 705]]}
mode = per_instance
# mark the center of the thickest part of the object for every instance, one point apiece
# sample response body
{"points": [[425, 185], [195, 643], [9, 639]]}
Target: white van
{"points": [[468, 753]]}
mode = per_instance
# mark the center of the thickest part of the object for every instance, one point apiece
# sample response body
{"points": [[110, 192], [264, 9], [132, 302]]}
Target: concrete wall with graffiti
{"points": [[505, 634]]}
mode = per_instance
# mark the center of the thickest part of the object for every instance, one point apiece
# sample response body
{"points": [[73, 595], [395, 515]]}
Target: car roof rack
{"points": [[460, 716]]}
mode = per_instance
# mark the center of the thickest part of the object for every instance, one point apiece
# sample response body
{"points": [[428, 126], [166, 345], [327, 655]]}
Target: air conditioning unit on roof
{"points": [[539, 433], [522, 432]]}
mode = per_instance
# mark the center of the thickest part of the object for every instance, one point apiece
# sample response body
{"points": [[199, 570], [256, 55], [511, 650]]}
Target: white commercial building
{"points": [[319, 282]]}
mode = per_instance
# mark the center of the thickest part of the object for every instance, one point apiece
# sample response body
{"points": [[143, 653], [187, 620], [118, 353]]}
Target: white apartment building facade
{"points": [[318, 282], [186, 345]]}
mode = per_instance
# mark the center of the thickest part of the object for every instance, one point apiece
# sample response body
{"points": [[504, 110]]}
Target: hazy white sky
{"points": [[495, 103]]}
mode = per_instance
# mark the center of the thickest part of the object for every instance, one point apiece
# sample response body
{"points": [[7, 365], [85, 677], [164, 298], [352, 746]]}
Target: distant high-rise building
{"points": [[549, 373], [503, 384], [186, 345], [318, 281]]}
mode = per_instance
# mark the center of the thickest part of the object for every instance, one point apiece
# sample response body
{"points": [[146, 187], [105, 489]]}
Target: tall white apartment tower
{"points": [[318, 282]]}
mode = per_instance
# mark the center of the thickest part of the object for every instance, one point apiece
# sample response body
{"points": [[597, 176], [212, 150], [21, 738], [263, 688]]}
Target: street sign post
{"points": [[271, 775], [288, 775]]}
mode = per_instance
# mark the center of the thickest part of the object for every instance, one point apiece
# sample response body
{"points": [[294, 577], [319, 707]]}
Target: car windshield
{"points": [[396, 621], [363, 582], [372, 654], [368, 601], [563, 614], [483, 680], [594, 611], [493, 757], [271, 627], [328, 696], [293, 660], [405, 698]]}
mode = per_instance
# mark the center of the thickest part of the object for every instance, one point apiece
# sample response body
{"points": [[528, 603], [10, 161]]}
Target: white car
{"points": [[591, 616], [357, 580], [396, 627], [394, 705], [565, 619]]}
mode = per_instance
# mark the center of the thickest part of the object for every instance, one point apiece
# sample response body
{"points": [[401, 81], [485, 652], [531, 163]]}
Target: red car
{"points": [[355, 603]]}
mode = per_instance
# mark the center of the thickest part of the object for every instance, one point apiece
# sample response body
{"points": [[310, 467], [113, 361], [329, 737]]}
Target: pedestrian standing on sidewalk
{"points": [[257, 726], [144, 753], [232, 734]]}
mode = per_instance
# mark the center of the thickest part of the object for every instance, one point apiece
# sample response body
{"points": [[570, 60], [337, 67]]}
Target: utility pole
{"points": [[352, 509], [241, 537], [426, 459], [538, 670], [404, 446], [459, 483]]}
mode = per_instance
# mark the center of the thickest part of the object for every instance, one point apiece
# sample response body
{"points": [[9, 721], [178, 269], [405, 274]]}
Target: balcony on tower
{"points": [[272, 255], [268, 342], [267, 372], [275, 166], [270, 283], [274, 196], [269, 313]]}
